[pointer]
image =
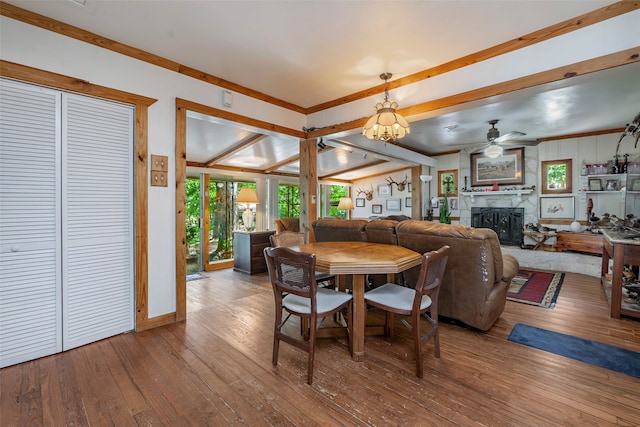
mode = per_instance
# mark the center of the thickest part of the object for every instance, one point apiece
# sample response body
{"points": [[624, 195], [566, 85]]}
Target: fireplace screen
{"points": [[508, 223]]}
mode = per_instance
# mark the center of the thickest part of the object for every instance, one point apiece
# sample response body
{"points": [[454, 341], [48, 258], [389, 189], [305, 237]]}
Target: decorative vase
{"points": [[575, 226]]}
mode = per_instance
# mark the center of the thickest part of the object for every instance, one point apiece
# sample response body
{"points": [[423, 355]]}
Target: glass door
{"points": [[193, 225], [219, 224]]}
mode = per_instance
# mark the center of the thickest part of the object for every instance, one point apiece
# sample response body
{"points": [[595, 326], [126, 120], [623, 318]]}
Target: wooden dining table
{"points": [[359, 259]]}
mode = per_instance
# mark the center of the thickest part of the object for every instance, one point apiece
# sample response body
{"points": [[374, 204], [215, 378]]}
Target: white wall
{"points": [[367, 184], [32, 46]]}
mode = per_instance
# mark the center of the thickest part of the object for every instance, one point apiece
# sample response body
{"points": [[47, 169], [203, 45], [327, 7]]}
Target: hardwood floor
{"points": [[215, 369]]}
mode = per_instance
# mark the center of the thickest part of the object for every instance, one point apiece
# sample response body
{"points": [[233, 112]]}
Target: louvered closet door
{"points": [[30, 290], [97, 219]]}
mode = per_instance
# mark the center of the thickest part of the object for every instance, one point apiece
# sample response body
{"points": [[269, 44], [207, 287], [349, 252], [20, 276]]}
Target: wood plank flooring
{"points": [[215, 369]]}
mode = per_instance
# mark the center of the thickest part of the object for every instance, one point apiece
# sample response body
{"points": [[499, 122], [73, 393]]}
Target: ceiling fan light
{"points": [[493, 150]]}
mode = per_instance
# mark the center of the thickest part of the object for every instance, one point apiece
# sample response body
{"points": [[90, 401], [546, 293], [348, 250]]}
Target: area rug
{"points": [[592, 352], [539, 288]]}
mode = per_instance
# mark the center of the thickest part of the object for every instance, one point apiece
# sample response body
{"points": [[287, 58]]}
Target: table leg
{"points": [[616, 280], [359, 314]]}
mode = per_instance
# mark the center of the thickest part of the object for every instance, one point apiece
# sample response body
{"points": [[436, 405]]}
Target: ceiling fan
{"points": [[493, 146]]}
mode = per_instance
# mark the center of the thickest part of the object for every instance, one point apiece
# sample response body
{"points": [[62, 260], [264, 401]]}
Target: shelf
{"points": [[473, 194]]}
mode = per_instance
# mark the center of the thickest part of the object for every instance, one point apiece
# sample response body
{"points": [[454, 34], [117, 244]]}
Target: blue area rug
{"points": [[595, 353]]}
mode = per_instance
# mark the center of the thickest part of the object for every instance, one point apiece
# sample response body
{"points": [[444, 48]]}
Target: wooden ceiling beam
{"points": [[377, 162], [247, 142]]}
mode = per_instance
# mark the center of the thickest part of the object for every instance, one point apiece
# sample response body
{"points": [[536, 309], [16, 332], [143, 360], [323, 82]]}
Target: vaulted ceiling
{"points": [[304, 53]]}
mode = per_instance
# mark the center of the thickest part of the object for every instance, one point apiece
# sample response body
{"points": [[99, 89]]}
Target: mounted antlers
{"points": [[399, 185], [367, 194]]}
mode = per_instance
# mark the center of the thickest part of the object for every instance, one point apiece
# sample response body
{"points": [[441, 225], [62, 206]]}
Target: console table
{"points": [[247, 251], [622, 250], [581, 242]]}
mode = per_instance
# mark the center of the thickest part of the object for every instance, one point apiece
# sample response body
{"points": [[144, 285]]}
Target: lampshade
{"points": [[493, 150], [247, 195], [387, 123], [346, 204]]}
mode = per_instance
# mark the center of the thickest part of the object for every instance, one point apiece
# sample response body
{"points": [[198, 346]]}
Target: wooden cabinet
{"points": [[581, 242], [247, 251]]}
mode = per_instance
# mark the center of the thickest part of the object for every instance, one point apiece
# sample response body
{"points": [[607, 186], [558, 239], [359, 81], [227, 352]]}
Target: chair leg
{"points": [[436, 341], [276, 337], [415, 320], [312, 348]]}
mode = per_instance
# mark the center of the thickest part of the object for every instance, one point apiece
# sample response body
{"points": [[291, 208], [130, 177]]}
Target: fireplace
{"points": [[508, 223]]}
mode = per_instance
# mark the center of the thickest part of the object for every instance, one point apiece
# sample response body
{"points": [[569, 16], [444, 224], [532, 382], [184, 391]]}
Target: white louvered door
{"points": [[66, 221], [97, 219], [30, 262]]}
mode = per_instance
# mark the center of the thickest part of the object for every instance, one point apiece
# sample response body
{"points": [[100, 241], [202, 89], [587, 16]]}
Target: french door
{"points": [[66, 221]]}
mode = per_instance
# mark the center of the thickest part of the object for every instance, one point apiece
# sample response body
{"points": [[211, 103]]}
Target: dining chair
{"points": [[417, 303], [295, 290]]}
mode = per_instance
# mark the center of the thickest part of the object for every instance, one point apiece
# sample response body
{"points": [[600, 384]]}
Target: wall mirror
{"points": [[556, 176]]}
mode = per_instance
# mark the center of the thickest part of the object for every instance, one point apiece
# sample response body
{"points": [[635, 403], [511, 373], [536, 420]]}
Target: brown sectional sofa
{"points": [[474, 290]]}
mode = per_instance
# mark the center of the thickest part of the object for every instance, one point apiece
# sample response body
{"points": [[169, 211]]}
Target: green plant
{"points": [[445, 214]]}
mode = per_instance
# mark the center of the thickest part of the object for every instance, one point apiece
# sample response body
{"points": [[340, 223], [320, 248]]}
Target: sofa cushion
{"points": [[381, 231], [338, 230]]}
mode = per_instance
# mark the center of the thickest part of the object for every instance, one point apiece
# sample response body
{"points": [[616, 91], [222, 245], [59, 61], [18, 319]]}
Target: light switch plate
{"points": [[159, 163], [158, 179]]}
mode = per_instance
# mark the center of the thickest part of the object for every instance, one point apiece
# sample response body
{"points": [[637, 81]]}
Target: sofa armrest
{"points": [[510, 268]]}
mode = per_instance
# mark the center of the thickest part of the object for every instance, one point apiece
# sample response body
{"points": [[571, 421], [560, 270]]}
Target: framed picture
{"points": [[448, 182], [394, 204], [556, 176], [635, 186], [407, 202], [409, 187], [507, 169], [384, 190], [376, 209], [557, 207], [360, 202], [612, 185], [453, 204], [595, 184]]}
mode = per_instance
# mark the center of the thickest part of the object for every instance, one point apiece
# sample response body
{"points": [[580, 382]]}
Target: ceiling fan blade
{"points": [[509, 135], [521, 142]]}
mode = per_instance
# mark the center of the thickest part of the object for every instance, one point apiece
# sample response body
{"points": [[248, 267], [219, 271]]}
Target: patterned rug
{"points": [[539, 288]]}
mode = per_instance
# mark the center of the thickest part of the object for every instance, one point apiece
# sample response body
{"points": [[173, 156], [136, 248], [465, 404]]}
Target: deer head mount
{"points": [[399, 185], [367, 194]]}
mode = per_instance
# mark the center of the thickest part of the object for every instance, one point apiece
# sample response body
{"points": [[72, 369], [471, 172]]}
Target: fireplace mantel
{"points": [[473, 194]]}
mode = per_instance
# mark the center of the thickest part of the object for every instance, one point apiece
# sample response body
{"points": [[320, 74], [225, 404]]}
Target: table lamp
{"points": [[345, 204], [249, 197]]}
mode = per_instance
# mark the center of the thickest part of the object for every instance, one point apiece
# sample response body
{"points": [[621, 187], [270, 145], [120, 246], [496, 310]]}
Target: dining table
{"points": [[360, 259]]}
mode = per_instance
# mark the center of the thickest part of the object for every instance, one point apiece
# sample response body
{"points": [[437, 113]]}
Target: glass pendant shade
{"points": [[493, 150], [387, 124]]}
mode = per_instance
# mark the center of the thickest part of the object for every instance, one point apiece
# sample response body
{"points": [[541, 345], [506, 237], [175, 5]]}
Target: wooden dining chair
{"points": [[295, 290], [416, 303]]}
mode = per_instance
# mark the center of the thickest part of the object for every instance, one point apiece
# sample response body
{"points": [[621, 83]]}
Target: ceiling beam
{"points": [[247, 142], [284, 162], [343, 171]]}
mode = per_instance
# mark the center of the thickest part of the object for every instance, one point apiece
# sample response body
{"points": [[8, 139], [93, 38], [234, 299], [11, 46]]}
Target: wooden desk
{"points": [[360, 259], [581, 242], [622, 251]]}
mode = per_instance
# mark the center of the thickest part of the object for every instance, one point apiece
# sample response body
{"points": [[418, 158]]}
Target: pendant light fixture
{"points": [[386, 124]]}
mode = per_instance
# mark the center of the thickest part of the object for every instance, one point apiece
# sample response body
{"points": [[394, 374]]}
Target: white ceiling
{"points": [[310, 52]]}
